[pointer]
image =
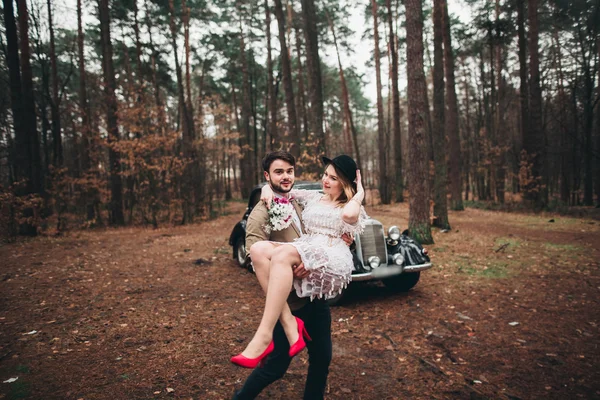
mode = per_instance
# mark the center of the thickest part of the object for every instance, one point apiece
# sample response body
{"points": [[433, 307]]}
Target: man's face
{"points": [[280, 176]]}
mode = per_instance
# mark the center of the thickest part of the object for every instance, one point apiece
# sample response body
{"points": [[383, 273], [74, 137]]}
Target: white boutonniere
{"points": [[280, 215]]}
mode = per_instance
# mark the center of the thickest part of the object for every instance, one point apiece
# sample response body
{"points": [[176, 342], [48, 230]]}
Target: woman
{"points": [[326, 217]]}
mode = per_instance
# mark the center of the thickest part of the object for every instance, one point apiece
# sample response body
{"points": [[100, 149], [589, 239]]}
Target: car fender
{"points": [[238, 230], [410, 249]]}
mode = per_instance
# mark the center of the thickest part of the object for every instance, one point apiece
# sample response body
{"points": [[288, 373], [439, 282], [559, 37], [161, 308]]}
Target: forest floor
{"points": [[509, 311]]}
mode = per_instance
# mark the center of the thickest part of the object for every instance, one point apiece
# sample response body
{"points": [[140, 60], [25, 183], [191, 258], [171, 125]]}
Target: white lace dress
{"points": [[323, 251]]}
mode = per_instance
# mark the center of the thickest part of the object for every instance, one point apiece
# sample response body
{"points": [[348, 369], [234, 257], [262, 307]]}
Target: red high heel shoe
{"points": [[300, 343], [246, 362]]}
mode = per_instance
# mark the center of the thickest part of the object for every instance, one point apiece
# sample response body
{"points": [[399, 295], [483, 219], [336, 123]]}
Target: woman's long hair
{"points": [[348, 188]]}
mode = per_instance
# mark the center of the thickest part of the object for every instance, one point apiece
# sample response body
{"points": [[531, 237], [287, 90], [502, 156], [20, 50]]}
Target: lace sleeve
{"points": [[359, 226], [303, 196]]}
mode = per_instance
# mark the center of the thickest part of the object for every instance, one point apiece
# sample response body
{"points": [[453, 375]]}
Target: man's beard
{"points": [[279, 189]]}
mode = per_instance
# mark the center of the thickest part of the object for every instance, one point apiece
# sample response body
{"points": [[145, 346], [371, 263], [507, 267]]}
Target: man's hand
{"points": [[266, 195], [299, 271], [348, 239]]}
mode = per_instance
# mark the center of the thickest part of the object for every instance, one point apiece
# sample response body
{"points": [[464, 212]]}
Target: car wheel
{"points": [[239, 249], [402, 283]]}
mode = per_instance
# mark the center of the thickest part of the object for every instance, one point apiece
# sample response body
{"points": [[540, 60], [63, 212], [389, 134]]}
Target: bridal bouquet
{"points": [[280, 215]]}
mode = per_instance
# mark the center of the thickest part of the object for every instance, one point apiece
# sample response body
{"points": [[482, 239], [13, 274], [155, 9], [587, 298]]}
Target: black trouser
{"points": [[317, 319]]}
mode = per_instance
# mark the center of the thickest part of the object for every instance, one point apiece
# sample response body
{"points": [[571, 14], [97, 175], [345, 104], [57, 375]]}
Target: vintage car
{"points": [[395, 259]]}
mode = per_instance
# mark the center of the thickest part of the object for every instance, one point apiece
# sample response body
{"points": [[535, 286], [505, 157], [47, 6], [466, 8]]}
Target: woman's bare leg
{"points": [[279, 277], [261, 254]]}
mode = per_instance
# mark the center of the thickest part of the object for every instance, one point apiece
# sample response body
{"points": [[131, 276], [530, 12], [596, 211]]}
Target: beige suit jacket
{"points": [[255, 232]]}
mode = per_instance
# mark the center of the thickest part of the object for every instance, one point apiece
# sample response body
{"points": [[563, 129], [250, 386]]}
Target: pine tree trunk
{"points": [[588, 124], [185, 16], [162, 119], [468, 163], [138, 55], [597, 172], [116, 186], [301, 97], [22, 156], [241, 138], [418, 175], [54, 106], [28, 100], [534, 140], [500, 133], [451, 125], [313, 61], [188, 135], [440, 182], [353, 145], [83, 100], [524, 84], [293, 129], [293, 133], [565, 165], [91, 196], [246, 133], [397, 128], [383, 172], [272, 98], [575, 148]]}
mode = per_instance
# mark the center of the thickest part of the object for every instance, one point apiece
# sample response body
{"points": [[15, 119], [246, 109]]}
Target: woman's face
{"points": [[331, 183]]}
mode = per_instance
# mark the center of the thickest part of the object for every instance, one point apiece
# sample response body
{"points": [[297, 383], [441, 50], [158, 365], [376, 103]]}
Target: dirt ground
{"points": [[509, 311]]}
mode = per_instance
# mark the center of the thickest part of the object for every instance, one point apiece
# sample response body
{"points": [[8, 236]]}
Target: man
{"points": [[279, 172]]}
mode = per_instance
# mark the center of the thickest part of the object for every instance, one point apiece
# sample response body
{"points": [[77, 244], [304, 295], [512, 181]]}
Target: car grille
{"points": [[372, 243]]}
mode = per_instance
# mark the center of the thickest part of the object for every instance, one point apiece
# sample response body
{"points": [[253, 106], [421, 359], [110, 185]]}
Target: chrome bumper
{"points": [[383, 271]]}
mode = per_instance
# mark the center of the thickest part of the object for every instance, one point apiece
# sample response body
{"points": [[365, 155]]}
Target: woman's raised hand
{"points": [[360, 191], [266, 195]]}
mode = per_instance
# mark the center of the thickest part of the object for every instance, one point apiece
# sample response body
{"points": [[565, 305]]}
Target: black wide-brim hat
{"points": [[344, 164]]}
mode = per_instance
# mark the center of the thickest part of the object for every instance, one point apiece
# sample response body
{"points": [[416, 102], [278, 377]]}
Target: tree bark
{"points": [[397, 128], [293, 138], [28, 101], [598, 133], [418, 175], [86, 132], [383, 172], [272, 98], [524, 84], [353, 142], [451, 125], [116, 186], [499, 132], [534, 140], [565, 165], [54, 107], [162, 119], [83, 100], [185, 16], [247, 151], [138, 54], [440, 181], [188, 127], [313, 61], [588, 115], [468, 163], [22, 151], [301, 96]]}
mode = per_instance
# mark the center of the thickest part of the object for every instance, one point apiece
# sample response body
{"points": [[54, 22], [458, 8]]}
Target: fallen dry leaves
{"points": [[510, 311]]}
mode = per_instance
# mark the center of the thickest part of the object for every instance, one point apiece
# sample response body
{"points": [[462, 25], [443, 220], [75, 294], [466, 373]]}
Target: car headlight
{"points": [[398, 259], [374, 262], [394, 233]]}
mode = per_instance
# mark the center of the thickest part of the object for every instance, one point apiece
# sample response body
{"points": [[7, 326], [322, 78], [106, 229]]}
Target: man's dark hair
{"points": [[277, 155]]}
